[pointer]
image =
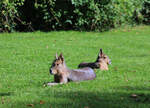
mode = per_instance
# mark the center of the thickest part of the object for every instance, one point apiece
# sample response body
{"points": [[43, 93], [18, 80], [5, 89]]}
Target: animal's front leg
{"points": [[55, 83], [63, 80], [52, 84]]}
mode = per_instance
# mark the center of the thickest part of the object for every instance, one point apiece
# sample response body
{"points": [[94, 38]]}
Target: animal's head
{"points": [[102, 58], [57, 65]]}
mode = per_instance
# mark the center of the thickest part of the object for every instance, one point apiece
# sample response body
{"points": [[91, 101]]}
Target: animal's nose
{"points": [[50, 71]]}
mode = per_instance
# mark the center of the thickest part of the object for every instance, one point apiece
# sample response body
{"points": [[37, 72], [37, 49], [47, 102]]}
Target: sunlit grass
{"points": [[25, 59]]}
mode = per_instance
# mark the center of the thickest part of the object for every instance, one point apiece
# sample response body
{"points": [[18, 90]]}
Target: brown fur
{"points": [[101, 62], [62, 74]]}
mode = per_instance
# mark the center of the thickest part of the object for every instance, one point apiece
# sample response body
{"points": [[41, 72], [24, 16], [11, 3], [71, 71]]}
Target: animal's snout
{"points": [[50, 71], [96, 65]]}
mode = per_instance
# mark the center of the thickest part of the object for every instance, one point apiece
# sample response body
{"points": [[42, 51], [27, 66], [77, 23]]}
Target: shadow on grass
{"points": [[133, 89], [5, 93], [83, 99]]}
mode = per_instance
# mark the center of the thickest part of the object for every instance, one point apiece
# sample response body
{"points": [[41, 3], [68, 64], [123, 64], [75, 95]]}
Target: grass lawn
{"points": [[25, 59]]}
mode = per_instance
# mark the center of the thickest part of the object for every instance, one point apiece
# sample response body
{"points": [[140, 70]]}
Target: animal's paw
{"points": [[51, 84], [44, 84], [48, 84]]}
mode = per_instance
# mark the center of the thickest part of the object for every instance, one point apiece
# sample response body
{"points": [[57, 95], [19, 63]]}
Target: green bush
{"points": [[104, 14], [8, 14], [95, 15]]}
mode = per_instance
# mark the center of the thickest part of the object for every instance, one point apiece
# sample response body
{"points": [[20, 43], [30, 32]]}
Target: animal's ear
{"points": [[99, 55], [101, 52], [56, 56], [61, 57]]}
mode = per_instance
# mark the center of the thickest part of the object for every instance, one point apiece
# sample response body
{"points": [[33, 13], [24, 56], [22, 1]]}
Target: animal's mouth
{"points": [[51, 72]]}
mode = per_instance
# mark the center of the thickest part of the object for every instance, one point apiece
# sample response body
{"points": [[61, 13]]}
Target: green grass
{"points": [[25, 59]]}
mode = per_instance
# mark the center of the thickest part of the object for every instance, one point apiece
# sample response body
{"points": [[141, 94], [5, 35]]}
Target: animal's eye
{"points": [[104, 57]]}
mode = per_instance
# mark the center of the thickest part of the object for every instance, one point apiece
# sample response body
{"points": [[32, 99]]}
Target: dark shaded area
{"points": [[84, 99], [5, 93], [133, 89], [146, 12], [68, 18], [29, 14], [35, 15]]}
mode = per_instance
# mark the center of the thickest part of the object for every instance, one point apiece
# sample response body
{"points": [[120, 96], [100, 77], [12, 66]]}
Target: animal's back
{"points": [[92, 65], [82, 74]]}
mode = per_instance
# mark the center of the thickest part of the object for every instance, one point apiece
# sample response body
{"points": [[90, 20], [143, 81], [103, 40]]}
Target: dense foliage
{"points": [[100, 15], [146, 12]]}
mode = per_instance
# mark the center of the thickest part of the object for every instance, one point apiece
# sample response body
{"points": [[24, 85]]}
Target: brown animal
{"points": [[101, 62], [62, 74]]}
